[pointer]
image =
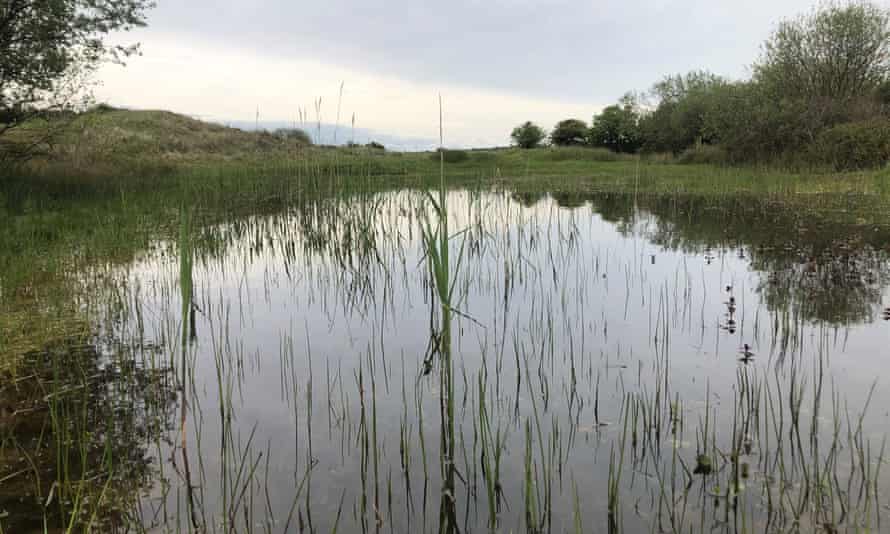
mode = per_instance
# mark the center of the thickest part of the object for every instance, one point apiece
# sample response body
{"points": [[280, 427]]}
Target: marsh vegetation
{"points": [[350, 342]]}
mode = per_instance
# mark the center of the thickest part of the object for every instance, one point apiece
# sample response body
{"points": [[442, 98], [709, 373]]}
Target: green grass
{"points": [[122, 148]]}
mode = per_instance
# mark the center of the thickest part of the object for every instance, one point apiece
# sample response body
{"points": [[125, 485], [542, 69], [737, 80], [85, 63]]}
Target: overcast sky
{"points": [[495, 62]]}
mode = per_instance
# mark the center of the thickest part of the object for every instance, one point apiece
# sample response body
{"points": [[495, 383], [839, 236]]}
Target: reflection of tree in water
{"points": [[569, 199], [528, 199], [823, 267], [75, 430]]}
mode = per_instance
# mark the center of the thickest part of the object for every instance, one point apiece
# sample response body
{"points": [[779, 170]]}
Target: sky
{"points": [[495, 63]]}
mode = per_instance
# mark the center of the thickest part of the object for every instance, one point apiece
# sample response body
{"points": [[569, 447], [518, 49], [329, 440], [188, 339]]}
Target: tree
{"points": [[528, 135], [679, 122], [680, 86], [49, 48], [838, 52], [569, 132], [617, 127]]}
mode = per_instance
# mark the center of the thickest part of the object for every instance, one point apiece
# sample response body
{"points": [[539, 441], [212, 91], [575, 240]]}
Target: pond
{"points": [[574, 363]]}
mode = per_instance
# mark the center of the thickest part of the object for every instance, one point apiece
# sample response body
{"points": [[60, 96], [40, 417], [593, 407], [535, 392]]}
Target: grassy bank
{"points": [[128, 149]]}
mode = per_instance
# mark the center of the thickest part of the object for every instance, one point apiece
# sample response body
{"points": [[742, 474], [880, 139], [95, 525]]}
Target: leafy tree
{"points": [[838, 52], [569, 132], [48, 49], [679, 120], [528, 135], [680, 86], [826, 71], [617, 127]]}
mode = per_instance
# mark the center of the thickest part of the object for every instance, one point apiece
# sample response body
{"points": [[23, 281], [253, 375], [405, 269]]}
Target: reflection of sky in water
{"points": [[278, 303]]}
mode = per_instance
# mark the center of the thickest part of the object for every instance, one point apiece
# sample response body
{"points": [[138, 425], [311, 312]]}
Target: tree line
{"points": [[819, 94]]}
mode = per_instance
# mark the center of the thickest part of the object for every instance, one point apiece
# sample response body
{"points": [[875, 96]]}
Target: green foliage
{"points": [[753, 127], [617, 127], [43, 41], [817, 72], [679, 121], [48, 49], [855, 145], [679, 87], [528, 135], [569, 132], [375, 146], [838, 52]]}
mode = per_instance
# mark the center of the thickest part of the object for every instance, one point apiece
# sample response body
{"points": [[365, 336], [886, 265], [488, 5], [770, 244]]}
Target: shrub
{"points": [[570, 132], [375, 145], [528, 135], [451, 156], [618, 127], [854, 145], [703, 154], [294, 135]]}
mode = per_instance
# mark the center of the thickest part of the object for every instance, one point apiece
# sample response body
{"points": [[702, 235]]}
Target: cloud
{"points": [[229, 84], [499, 62]]}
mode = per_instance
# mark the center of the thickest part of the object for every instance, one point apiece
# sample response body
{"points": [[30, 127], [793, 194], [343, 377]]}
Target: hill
{"points": [[108, 133], [104, 139]]}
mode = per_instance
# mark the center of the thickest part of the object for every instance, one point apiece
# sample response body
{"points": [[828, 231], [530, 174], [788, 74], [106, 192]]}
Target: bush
{"points": [[617, 127], [570, 132], [854, 146], [451, 156], [294, 135], [375, 145], [528, 135], [703, 154]]}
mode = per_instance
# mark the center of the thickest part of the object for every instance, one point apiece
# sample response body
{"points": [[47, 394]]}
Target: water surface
{"points": [[620, 362]]}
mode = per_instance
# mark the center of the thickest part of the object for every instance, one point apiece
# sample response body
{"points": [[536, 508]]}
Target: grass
{"points": [[128, 148], [502, 244]]}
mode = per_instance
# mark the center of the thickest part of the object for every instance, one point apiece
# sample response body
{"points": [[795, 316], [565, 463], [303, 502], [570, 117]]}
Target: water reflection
{"points": [[619, 362], [76, 427], [823, 270]]}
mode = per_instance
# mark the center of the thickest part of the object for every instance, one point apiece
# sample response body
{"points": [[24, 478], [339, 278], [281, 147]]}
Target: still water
{"points": [[618, 363]]}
